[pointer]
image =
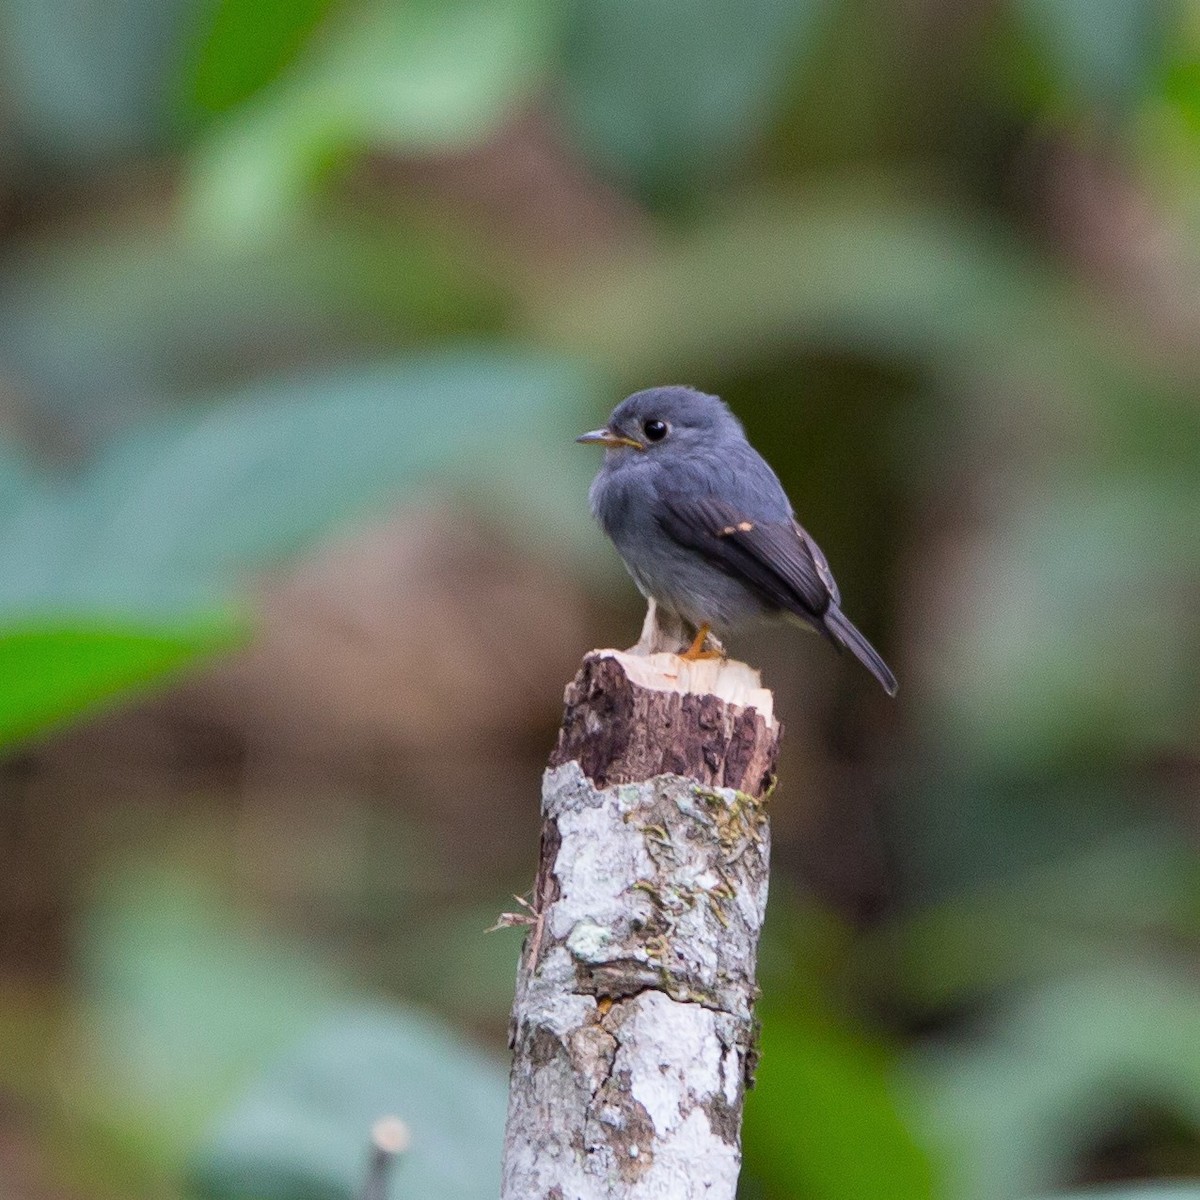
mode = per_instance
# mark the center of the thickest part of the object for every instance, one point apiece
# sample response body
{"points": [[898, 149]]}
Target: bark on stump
{"points": [[632, 1031]]}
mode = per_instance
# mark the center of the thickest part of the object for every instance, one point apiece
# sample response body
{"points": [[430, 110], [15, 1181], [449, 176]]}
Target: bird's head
{"points": [[665, 421]]}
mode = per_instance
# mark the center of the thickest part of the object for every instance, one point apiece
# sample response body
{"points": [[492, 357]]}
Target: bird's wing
{"points": [[821, 563], [776, 558]]}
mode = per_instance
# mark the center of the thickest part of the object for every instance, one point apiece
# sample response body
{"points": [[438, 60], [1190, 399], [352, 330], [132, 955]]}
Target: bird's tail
{"points": [[843, 632]]}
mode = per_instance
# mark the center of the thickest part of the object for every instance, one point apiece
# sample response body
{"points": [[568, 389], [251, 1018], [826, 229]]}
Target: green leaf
{"points": [[50, 672], [101, 580], [182, 510], [247, 44], [407, 77], [171, 517], [301, 1131], [823, 1119], [1181, 86], [668, 92]]}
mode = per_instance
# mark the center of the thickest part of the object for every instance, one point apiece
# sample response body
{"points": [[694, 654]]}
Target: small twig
{"points": [[532, 917], [390, 1137], [539, 932], [507, 920]]}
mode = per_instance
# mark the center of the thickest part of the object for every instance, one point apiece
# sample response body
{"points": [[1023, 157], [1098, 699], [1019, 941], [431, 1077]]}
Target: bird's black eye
{"points": [[655, 431]]}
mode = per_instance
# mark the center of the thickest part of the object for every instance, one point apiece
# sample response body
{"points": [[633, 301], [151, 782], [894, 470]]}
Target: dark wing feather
{"points": [[780, 561], [821, 563], [776, 558]]}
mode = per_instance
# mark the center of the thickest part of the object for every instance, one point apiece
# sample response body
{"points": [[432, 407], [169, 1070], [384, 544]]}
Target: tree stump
{"points": [[632, 1030]]}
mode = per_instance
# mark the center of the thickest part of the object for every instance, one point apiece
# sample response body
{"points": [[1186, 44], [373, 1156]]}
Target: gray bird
{"points": [[706, 530]]}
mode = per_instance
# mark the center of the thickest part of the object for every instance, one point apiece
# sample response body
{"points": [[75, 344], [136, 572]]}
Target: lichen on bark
{"points": [[633, 1030]]}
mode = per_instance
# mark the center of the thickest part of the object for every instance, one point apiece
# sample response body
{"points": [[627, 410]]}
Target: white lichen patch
{"points": [[635, 1014], [658, 874], [674, 1042], [587, 940], [732, 1076]]}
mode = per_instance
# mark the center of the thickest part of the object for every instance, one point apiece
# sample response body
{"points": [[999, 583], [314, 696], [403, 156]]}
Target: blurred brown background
{"points": [[301, 305]]}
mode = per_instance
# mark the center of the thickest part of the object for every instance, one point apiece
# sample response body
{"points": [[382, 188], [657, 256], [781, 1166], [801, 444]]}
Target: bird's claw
{"points": [[700, 649]]}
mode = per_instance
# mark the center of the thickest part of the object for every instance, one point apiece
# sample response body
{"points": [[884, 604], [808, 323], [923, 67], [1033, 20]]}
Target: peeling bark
{"points": [[632, 1029]]}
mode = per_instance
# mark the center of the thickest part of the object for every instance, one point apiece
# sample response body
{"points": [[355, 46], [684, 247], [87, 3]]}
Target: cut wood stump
{"points": [[633, 1025]]}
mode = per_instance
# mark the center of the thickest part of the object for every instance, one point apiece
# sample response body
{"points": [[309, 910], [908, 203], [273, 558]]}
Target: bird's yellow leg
{"points": [[696, 650]]}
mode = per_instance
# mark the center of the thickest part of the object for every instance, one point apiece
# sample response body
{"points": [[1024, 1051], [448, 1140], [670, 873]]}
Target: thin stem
{"points": [[390, 1137]]}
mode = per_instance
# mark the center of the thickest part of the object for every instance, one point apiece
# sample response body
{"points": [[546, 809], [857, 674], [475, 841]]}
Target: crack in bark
{"points": [[625, 1125], [625, 977], [680, 825], [724, 1117]]}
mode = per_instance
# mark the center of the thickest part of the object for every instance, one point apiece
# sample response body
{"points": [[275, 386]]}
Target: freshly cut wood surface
{"points": [[630, 717]]}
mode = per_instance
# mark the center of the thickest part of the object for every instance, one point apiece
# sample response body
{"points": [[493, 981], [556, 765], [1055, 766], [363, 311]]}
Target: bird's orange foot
{"points": [[697, 651]]}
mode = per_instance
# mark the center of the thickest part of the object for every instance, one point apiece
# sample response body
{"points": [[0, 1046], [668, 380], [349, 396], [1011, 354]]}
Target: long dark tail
{"points": [[843, 632]]}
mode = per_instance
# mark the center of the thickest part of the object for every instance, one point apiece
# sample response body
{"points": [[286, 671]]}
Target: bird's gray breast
{"points": [[626, 501]]}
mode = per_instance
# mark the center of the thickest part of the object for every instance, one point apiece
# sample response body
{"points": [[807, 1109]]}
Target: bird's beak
{"points": [[606, 437]]}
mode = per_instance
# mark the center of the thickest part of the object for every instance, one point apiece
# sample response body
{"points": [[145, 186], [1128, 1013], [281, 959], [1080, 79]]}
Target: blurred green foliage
{"points": [[299, 1132], [825, 1088], [399, 77], [48, 674], [189, 1015], [247, 44], [667, 113], [167, 516], [273, 270], [1098, 56]]}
